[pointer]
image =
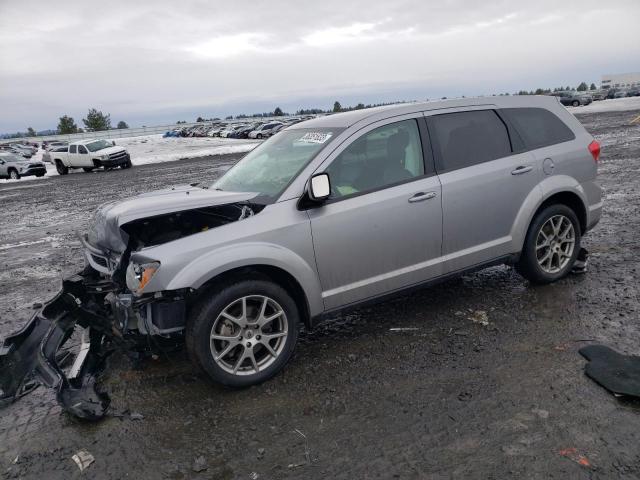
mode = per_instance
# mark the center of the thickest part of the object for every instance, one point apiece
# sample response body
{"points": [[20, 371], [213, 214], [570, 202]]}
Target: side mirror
{"points": [[113, 142], [319, 187]]}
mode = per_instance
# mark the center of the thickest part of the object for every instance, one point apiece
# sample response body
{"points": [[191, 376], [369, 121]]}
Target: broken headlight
{"points": [[139, 275]]}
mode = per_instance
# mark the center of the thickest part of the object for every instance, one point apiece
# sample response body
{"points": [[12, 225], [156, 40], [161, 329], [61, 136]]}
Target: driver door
{"points": [[84, 159], [381, 228]]}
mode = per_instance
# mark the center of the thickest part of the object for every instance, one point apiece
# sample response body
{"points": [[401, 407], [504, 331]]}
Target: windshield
{"points": [[98, 145], [270, 167]]}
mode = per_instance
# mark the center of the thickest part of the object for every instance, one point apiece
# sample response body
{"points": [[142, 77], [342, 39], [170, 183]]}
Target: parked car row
{"points": [[573, 98], [256, 130]]}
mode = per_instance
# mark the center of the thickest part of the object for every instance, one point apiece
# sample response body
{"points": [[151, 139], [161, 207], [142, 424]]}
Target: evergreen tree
{"points": [[582, 87], [122, 124], [97, 121], [337, 107], [67, 125]]}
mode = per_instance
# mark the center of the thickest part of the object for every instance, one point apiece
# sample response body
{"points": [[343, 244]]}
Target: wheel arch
{"points": [[555, 189], [282, 265], [271, 273]]}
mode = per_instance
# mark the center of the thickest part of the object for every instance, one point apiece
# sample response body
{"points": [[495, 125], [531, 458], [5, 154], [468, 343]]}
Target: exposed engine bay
{"points": [[98, 304]]}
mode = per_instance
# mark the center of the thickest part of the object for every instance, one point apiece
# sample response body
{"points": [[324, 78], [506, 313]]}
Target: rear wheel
{"points": [[551, 246], [244, 334], [13, 174], [61, 168]]}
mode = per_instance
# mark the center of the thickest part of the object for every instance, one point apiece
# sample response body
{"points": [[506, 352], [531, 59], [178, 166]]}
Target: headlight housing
{"points": [[104, 157], [139, 275]]}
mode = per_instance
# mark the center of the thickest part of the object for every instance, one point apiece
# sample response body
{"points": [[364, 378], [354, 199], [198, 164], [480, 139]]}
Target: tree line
{"points": [[95, 121]]}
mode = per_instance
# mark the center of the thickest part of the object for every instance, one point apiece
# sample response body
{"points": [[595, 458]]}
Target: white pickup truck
{"points": [[89, 155]]}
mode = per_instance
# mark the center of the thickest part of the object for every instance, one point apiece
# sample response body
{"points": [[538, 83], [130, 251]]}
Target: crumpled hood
{"points": [[104, 230]]}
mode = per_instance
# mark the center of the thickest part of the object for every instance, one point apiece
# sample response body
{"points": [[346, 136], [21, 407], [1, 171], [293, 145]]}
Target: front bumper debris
{"points": [[31, 356]]}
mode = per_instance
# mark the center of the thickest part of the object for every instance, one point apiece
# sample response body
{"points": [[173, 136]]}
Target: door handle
{"points": [[522, 169], [422, 196]]}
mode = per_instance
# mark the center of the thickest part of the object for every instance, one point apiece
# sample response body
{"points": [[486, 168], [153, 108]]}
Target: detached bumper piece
{"points": [[30, 356]]}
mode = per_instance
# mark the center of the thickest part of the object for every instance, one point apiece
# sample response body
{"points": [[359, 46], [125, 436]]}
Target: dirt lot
{"points": [[447, 398]]}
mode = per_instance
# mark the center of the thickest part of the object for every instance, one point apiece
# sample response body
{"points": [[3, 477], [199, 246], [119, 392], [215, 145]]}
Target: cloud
{"points": [[162, 61]]}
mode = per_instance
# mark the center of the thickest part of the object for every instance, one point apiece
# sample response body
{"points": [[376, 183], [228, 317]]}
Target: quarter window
{"points": [[469, 138], [538, 127], [385, 156]]}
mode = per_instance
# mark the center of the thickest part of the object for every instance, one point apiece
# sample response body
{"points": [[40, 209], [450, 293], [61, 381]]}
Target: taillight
{"points": [[594, 148]]}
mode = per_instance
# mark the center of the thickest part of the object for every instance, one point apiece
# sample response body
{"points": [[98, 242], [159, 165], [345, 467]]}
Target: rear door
{"points": [[381, 229], [484, 184]]}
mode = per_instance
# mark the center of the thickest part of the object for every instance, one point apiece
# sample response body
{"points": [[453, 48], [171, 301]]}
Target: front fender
{"points": [[210, 265], [547, 188]]}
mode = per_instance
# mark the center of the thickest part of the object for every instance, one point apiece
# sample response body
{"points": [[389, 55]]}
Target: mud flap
{"points": [[29, 356]]}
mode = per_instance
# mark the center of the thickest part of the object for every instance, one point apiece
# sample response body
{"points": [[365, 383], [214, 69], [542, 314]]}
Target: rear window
{"points": [[73, 149], [468, 138], [538, 127]]}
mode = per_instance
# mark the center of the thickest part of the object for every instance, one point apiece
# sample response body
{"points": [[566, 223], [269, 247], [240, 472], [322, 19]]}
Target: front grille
{"points": [[117, 155]]}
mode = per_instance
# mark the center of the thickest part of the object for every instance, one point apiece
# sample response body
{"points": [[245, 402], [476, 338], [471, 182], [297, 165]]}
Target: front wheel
{"points": [[61, 168], [126, 165], [575, 103], [243, 334], [14, 175], [551, 246], [87, 169]]}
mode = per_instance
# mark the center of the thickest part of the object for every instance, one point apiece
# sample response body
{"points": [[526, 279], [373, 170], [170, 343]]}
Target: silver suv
{"points": [[326, 214]]}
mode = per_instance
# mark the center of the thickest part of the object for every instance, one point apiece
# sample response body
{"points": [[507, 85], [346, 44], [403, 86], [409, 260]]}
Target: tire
{"points": [[126, 165], [13, 174], [61, 168], [87, 169], [535, 264], [231, 368], [575, 103], [259, 136]]}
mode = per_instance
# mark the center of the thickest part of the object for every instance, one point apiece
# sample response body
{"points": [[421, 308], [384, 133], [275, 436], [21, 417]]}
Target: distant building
{"points": [[620, 80]]}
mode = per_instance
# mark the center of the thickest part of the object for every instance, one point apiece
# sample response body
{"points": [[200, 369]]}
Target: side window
{"points": [[82, 149], [73, 149], [468, 138], [382, 157], [538, 127]]}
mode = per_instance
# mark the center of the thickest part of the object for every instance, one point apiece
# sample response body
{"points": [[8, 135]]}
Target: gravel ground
{"points": [[450, 396]]}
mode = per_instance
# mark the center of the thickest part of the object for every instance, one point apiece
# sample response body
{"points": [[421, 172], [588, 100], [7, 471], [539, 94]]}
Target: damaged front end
{"points": [[33, 355], [104, 308]]}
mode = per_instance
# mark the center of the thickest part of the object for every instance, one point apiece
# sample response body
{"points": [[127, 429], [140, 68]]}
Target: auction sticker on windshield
{"points": [[315, 137]]}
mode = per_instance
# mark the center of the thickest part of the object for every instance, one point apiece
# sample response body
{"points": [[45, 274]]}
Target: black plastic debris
{"points": [[580, 265], [620, 374]]}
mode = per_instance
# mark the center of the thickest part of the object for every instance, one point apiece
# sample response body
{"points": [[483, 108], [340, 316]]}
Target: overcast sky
{"points": [[163, 61]]}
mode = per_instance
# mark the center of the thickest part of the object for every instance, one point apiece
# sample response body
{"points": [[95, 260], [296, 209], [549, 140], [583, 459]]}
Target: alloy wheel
{"points": [[555, 243], [249, 335]]}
